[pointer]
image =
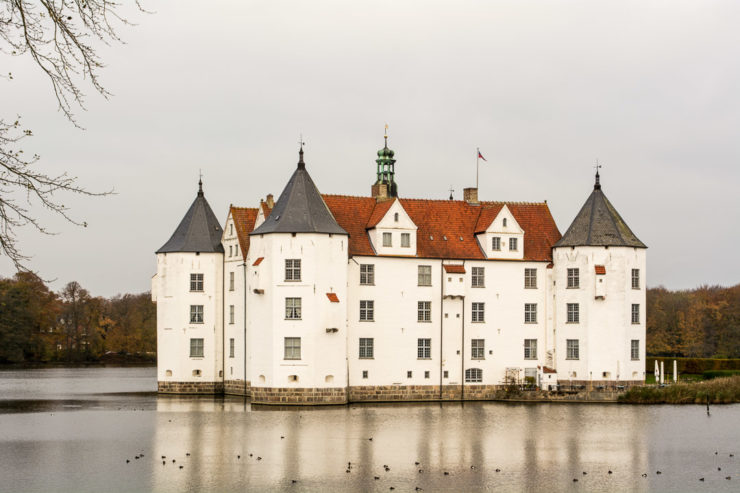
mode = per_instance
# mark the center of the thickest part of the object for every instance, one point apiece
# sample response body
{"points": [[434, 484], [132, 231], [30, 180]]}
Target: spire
{"points": [[198, 231], [200, 183], [386, 169], [597, 185], [301, 164]]}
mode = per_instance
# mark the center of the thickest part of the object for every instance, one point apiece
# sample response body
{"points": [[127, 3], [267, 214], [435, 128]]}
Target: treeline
{"points": [[703, 322], [38, 325]]}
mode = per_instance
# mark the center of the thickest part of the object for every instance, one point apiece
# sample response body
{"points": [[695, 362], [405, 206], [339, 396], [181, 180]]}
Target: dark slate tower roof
{"points": [[300, 208], [199, 230], [599, 224]]}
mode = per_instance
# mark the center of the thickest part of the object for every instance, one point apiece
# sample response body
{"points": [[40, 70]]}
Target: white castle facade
{"points": [[319, 299]]}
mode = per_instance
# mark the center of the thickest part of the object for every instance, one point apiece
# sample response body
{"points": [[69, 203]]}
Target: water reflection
{"points": [[80, 441]]}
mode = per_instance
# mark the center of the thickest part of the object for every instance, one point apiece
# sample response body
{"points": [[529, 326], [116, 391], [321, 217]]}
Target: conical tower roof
{"points": [[199, 230], [599, 224], [300, 208]]}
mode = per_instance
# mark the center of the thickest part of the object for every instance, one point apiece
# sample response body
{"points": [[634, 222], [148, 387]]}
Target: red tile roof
{"points": [[381, 209], [244, 218], [600, 269], [332, 297], [454, 269], [258, 261]]}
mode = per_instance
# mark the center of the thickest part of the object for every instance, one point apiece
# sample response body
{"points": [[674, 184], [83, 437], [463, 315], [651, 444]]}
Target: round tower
{"points": [[188, 290], [599, 269]]}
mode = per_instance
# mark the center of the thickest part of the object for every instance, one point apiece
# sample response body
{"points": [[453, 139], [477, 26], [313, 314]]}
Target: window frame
{"points": [[530, 313], [291, 348], [424, 311], [196, 314], [405, 240], [473, 375], [513, 244], [573, 311], [295, 306], [496, 243], [478, 277], [573, 278], [572, 349], [367, 310], [197, 350], [387, 239], [195, 281], [424, 348], [232, 314], [477, 312], [367, 278], [530, 278], [635, 348], [635, 278], [530, 349], [635, 314], [477, 349], [232, 346], [366, 348], [231, 281], [422, 276], [292, 268]]}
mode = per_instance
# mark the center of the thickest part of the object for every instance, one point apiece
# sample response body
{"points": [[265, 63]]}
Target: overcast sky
{"points": [[650, 89]]}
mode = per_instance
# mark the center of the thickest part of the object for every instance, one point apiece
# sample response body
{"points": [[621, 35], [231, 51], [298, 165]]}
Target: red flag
{"points": [[481, 156]]}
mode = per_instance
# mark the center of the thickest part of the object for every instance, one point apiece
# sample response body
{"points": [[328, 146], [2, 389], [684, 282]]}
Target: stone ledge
{"points": [[190, 387], [299, 396], [236, 387]]}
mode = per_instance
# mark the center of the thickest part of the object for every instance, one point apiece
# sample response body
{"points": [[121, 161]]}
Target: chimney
{"points": [[270, 201], [379, 191], [470, 195]]}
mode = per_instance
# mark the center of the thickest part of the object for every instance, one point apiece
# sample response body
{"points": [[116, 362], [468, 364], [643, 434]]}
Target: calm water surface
{"points": [[74, 429]]}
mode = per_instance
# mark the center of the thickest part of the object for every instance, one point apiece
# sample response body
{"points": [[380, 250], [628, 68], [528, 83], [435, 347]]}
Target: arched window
{"points": [[474, 375]]}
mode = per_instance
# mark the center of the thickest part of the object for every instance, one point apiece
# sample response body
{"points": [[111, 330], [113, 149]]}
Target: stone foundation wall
{"points": [[401, 393], [299, 396], [596, 384], [167, 387], [236, 387]]}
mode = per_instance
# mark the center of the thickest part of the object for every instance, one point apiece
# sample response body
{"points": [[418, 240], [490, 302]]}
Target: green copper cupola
{"points": [[385, 186]]}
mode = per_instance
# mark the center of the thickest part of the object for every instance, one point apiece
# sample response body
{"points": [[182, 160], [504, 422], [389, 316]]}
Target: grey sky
{"points": [[651, 89]]}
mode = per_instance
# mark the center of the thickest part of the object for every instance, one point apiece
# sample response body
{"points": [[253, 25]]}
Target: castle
{"points": [[330, 299]]}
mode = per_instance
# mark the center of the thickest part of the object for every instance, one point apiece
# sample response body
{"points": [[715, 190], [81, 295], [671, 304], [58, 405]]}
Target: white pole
{"points": [[657, 372], [662, 372], [477, 166], [675, 371]]}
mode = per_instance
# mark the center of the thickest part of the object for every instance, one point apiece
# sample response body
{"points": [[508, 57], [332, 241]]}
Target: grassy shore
{"points": [[717, 391]]}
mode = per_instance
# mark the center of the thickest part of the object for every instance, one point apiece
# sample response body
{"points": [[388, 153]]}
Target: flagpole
{"points": [[477, 166]]}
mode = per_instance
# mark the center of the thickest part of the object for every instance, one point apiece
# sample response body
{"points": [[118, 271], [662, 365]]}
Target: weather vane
{"points": [[300, 141]]}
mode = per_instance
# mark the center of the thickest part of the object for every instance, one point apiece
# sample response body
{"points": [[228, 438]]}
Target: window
{"points": [[424, 349], [231, 347], [293, 308], [573, 315], [573, 278], [196, 282], [496, 243], [231, 229], [406, 240], [446, 374], [478, 277], [635, 314], [425, 275], [530, 348], [387, 240], [196, 348], [395, 217], [367, 274], [292, 347], [409, 374], [530, 313], [424, 311], [366, 348], [230, 251], [530, 278], [364, 373], [478, 349], [196, 314], [231, 314], [572, 351], [474, 375], [231, 281], [635, 278], [293, 269], [635, 349], [513, 244], [367, 310], [479, 312]]}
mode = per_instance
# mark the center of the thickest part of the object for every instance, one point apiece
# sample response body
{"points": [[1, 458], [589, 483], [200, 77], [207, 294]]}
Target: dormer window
{"points": [[405, 240], [513, 243], [504, 222], [395, 217], [387, 240], [496, 244]]}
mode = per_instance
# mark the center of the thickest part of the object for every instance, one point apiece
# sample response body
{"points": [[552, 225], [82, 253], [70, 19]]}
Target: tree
{"points": [[59, 36]]}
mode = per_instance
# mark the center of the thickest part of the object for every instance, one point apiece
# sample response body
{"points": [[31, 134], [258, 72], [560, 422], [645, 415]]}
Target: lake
{"points": [[74, 429]]}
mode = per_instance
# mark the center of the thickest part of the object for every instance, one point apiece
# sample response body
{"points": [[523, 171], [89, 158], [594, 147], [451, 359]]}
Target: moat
{"points": [[82, 429]]}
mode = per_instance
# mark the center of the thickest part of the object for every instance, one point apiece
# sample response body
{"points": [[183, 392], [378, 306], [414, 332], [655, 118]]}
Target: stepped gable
{"points": [[599, 224], [300, 208], [199, 230], [437, 219], [244, 219]]}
